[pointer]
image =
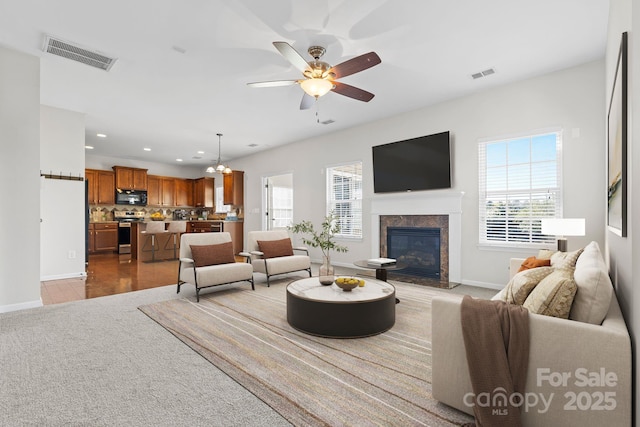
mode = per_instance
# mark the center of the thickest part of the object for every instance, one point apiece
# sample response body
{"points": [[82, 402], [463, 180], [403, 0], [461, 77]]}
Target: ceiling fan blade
{"points": [[355, 65], [307, 101], [273, 83], [352, 92], [291, 55]]}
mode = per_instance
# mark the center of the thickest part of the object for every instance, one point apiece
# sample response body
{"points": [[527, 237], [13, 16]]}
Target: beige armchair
{"points": [[277, 255], [207, 259]]}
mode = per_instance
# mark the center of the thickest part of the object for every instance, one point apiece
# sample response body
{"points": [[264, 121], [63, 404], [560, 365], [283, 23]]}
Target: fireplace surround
{"points": [[441, 208]]}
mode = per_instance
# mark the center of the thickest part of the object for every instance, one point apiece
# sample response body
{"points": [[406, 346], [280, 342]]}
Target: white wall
{"points": [[19, 180], [62, 239], [623, 252], [570, 99]]}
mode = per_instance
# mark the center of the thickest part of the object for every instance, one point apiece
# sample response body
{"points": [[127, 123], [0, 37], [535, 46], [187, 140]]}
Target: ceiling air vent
{"points": [[484, 73], [77, 53], [328, 122]]}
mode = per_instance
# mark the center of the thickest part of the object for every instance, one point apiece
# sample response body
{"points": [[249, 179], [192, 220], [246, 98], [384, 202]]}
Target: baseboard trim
{"points": [[483, 285], [81, 274], [21, 306]]}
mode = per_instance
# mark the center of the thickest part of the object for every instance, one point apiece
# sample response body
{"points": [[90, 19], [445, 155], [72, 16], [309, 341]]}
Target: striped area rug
{"points": [[383, 380]]}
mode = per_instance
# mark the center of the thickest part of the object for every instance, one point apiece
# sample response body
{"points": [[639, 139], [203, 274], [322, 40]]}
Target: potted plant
{"points": [[324, 240]]}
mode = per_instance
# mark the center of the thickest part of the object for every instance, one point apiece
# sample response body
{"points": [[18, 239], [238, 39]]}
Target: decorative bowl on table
{"points": [[347, 284]]}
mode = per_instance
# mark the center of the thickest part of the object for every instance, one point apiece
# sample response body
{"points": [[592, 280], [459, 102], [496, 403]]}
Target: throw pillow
{"points": [[595, 290], [533, 262], [565, 259], [554, 295], [519, 287], [275, 248], [204, 255], [545, 253]]}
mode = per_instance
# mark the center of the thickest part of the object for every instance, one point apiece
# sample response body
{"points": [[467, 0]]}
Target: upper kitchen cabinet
{"points": [[233, 188], [130, 178], [160, 190], [101, 186], [203, 192], [184, 192]]}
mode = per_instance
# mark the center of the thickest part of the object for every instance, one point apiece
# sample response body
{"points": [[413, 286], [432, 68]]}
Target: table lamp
{"points": [[561, 227]]}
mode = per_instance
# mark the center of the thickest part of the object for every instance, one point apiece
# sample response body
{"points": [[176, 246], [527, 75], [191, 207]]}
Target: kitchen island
{"points": [[166, 243]]}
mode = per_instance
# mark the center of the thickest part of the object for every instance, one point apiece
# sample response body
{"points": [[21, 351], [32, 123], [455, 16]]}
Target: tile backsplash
{"points": [[105, 213]]}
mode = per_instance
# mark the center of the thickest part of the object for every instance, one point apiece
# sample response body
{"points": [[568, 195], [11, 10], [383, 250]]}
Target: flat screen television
{"points": [[422, 163]]}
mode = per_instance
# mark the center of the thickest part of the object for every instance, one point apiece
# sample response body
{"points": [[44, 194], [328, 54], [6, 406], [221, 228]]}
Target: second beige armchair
{"points": [[271, 253]]}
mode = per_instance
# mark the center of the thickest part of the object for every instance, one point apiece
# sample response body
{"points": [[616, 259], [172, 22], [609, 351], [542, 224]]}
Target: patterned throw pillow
{"points": [[554, 294], [204, 255], [519, 287], [565, 259], [275, 248]]}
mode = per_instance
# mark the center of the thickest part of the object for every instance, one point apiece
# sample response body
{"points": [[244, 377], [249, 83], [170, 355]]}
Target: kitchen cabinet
{"points": [[130, 178], [233, 188], [160, 190], [235, 229], [203, 192], [103, 237], [101, 186], [184, 192], [204, 226]]}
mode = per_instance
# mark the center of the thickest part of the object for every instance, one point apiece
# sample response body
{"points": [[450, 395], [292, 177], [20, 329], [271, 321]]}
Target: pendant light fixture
{"points": [[219, 166]]}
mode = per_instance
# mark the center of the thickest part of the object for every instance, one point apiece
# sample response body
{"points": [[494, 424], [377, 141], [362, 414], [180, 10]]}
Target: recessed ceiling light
{"points": [[101, 135], [178, 160], [88, 147], [147, 149], [200, 152]]}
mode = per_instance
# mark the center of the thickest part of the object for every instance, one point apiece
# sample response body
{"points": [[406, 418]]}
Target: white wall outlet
{"points": [[72, 254]]}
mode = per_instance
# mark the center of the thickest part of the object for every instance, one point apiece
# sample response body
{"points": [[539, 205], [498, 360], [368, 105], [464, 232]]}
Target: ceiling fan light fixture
{"points": [[316, 87]]}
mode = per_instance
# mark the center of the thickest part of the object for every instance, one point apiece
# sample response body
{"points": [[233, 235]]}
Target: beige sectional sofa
{"points": [[579, 368]]}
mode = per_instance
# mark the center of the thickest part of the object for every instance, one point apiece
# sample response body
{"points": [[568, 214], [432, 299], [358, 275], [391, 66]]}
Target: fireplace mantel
{"points": [[423, 203]]}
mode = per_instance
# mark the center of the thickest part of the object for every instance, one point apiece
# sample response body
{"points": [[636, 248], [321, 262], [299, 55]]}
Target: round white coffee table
{"points": [[328, 311]]}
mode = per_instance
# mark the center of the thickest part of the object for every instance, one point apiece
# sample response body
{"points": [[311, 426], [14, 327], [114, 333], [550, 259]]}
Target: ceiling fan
{"points": [[320, 77]]}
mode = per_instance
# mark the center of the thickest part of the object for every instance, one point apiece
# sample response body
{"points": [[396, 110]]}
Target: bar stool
{"points": [[153, 229], [176, 228]]}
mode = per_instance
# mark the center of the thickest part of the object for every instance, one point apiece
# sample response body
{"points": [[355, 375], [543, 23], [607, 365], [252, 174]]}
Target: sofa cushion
{"points": [[554, 294], [523, 283], [533, 262], [595, 290], [275, 248], [565, 259], [204, 255]]}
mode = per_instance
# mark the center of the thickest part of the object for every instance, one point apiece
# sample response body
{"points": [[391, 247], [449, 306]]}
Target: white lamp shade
{"points": [[316, 87], [563, 226]]}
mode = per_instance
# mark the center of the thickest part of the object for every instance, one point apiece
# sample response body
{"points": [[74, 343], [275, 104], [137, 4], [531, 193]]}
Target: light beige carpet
{"points": [[379, 380]]}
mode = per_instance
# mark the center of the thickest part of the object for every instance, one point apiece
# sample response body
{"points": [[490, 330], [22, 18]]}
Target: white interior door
{"points": [[278, 209]]}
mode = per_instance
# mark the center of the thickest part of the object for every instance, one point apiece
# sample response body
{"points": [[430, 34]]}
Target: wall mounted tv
{"points": [[422, 163]]}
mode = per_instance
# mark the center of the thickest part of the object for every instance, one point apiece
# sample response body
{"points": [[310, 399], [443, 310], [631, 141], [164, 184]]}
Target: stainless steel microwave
{"points": [[131, 197]]}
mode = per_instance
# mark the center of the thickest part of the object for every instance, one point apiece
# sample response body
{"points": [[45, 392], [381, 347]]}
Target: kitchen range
{"points": [[125, 218]]}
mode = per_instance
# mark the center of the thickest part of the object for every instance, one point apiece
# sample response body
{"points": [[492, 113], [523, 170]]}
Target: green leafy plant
{"points": [[321, 239]]}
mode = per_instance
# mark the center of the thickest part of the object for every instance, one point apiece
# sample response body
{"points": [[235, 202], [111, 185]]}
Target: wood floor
{"points": [[109, 274]]}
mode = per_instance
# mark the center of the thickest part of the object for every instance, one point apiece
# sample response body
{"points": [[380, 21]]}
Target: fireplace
{"points": [[416, 247], [422, 243], [436, 209]]}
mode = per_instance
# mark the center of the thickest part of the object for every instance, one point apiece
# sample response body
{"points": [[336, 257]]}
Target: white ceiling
{"points": [[175, 103]]}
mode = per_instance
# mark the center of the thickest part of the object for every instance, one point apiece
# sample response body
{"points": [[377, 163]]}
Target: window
{"points": [[519, 185], [344, 188], [220, 206]]}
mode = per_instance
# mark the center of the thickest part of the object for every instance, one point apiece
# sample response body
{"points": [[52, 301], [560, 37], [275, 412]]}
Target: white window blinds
{"points": [[344, 192], [519, 184]]}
